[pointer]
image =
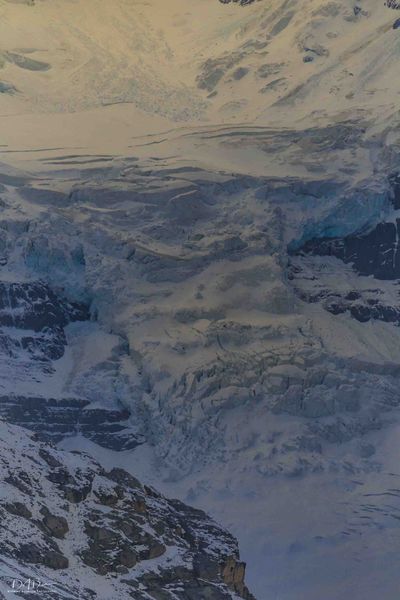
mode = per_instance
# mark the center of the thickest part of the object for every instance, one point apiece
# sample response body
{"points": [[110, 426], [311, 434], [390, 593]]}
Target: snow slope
{"points": [[194, 61]]}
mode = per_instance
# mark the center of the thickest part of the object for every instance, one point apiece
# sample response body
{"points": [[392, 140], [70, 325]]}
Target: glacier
{"points": [[241, 394], [199, 270]]}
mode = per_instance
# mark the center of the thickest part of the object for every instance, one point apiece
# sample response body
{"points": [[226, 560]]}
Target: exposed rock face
{"points": [[68, 523], [34, 306], [373, 253], [54, 419], [369, 252], [40, 316], [32, 322], [33, 319], [233, 573]]}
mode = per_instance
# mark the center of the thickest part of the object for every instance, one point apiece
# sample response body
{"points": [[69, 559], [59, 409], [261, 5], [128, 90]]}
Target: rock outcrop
{"points": [[69, 525], [33, 322]]}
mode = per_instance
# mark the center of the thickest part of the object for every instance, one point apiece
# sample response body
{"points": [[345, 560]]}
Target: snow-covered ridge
{"points": [[75, 530]]}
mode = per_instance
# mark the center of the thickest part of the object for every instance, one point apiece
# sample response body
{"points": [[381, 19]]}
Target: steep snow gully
{"points": [[199, 288]]}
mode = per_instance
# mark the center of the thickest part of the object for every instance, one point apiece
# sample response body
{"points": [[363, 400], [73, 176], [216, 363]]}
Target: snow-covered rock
{"points": [[41, 342], [70, 528]]}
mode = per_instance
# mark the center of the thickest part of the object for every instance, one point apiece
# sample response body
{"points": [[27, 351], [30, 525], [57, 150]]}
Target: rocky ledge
{"points": [[75, 530], [33, 321]]}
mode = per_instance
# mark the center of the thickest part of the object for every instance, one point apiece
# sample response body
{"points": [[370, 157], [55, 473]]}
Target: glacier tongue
{"points": [[212, 357]]}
